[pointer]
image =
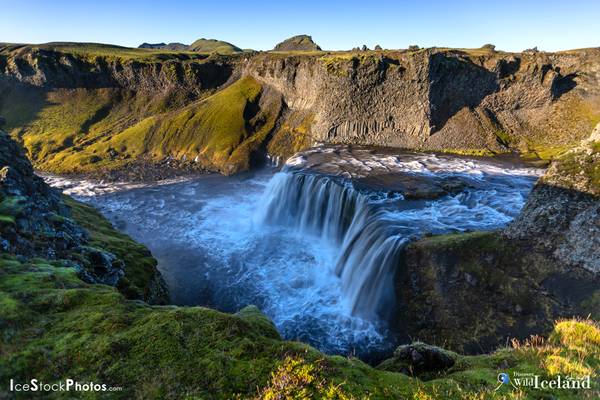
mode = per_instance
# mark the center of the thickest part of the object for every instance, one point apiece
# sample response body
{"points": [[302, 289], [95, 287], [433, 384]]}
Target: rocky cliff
{"points": [[60, 99], [471, 291], [36, 221]]}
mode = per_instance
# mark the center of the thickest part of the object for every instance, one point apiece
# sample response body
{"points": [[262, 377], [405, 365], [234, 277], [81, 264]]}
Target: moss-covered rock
{"points": [[471, 292]]}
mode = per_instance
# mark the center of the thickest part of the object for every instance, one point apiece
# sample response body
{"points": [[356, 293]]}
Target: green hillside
{"points": [[214, 46]]}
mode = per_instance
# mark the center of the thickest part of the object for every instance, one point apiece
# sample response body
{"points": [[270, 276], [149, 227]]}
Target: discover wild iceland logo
{"points": [[527, 380]]}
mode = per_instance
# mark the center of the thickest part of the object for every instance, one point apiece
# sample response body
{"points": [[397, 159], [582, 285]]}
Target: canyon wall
{"points": [[468, 101]]}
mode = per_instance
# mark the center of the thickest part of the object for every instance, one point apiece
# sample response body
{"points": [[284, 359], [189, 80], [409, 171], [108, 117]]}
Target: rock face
{"points": [[298, 43], [492, 286], [439, 100], [36, 222], [477, 101], [562, 214]]}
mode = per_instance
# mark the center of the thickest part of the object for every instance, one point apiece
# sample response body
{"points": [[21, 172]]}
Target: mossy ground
{"points": [[214, 46], [292, 136], [54, 326], [140, 266]]}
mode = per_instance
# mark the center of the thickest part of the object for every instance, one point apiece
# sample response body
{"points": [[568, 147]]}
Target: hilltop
{"points": [[200, 46], [171, 46], [298, 43]]}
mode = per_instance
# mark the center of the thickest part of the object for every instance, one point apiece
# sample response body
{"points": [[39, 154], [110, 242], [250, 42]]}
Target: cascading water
{"points": [[333, 210], [315, 252]]}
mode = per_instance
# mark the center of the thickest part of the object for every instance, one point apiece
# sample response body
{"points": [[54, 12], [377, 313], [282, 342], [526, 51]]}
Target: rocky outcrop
{"points": [[35, 221], [419, 358], [472, 291], [298, 43], [562, 214]]}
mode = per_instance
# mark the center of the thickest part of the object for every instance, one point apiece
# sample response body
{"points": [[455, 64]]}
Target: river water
{"points": [[314, 244]]}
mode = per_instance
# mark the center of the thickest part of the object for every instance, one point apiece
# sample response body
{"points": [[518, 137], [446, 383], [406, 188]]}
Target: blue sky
{"points": [[510, 25]]}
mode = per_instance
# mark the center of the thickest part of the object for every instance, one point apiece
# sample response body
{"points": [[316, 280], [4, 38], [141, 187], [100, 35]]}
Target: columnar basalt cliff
{"points": [[439, 100], [467, 101]]}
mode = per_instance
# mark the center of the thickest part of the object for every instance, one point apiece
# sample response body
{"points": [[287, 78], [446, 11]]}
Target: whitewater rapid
{"points": [[306, 244]]}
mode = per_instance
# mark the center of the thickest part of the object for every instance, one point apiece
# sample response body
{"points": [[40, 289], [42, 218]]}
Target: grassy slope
{"points": [[212, 45], [87, 130], [54, 326], [90, 51]]}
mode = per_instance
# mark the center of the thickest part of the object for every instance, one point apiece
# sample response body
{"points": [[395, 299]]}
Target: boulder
{"points": [[418, 358]]}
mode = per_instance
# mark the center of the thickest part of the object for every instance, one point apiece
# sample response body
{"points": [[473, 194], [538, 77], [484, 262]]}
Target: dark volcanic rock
{"points": [[418, 358], [35, 221], [411, 186], [298, 43]]}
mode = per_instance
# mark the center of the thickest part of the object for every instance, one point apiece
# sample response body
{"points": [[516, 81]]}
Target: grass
{"points": [[214, 46], [89, 130], [94, 51], [470, 152]]}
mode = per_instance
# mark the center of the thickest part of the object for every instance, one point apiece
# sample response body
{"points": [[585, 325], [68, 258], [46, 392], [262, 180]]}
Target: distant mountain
{"points": [[213, 45], [151, 45], [171, 46], [200, 45], [298, 43]]}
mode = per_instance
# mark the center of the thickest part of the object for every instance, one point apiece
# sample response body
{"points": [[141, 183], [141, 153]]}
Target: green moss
{"points": [[292, 136], [470, 152], [73, 134], [140, 266], [547, 152], [503, 137], [483, 240], [11, 206], [581, 164], [7, 220]]}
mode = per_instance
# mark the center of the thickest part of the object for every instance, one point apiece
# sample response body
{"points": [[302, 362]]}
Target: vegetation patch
{"points": [[140, 266]]}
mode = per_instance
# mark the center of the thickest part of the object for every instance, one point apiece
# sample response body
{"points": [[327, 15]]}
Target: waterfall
{"points": [[331, 208]]}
